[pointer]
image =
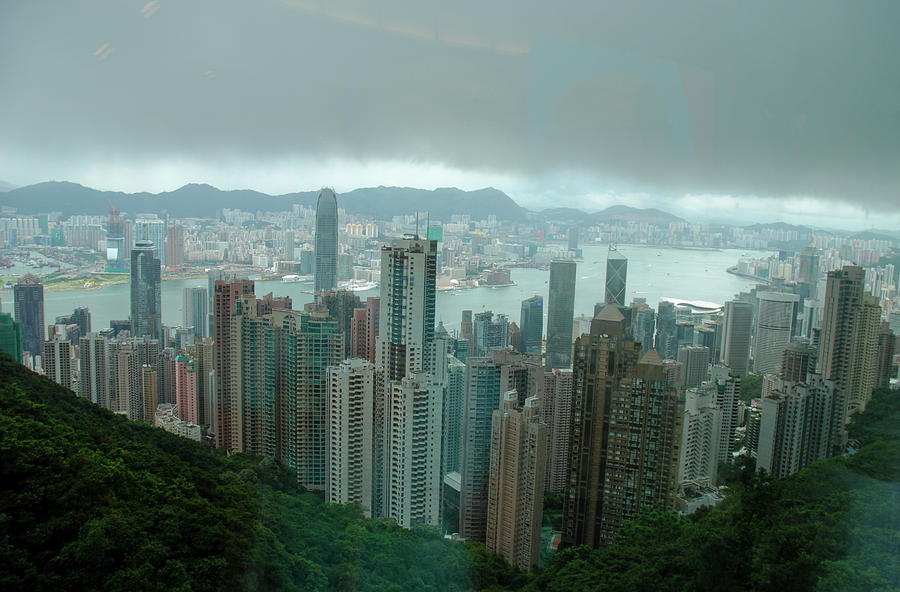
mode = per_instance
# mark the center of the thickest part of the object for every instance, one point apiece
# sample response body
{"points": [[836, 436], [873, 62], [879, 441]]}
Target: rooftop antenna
{"points": [[417, 224], [427, 224]]}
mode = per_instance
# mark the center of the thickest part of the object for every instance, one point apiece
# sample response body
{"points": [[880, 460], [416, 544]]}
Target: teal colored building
{"points": [[11, 336]]}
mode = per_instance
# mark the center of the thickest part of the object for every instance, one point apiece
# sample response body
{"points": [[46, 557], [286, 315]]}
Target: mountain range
{"points": [[200, 200]]}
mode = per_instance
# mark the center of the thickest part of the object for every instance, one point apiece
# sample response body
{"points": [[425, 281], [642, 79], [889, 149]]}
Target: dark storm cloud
{"points": [[765, 98]]}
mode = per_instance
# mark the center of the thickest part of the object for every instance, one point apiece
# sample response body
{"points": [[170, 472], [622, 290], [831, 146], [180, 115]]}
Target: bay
{"points": [[653, 273]]}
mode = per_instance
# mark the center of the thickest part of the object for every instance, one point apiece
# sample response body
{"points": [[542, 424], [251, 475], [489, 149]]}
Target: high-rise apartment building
{"points": [[849, 342], [775, 325], [404, 348], [57, 361], [146, 295], [616, 276], [149, 393], [326, 241], [603, 359], [798, 360], [556, 414], [531, 325], [203, 355], [174, 246], [885, 360], [489, 333], [412, 461], [561, 311], [486, 380], [737, 331], [194, 310], [700, 437], [728, 395], [28, 295], [694, 362], [625, 434], [186, 392], [226, 429], [94, 371], [351, 408], [797, 426], [516, 483]]}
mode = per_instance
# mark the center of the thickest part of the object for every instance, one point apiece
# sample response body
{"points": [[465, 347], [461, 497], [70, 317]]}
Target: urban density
{"points": [[372, 395]]}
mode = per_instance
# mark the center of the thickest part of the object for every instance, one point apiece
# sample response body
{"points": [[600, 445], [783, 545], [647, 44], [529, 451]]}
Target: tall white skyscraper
{"points": [[351, 405], [404, 391], [701, 422], [774, 328], [413, 451]]}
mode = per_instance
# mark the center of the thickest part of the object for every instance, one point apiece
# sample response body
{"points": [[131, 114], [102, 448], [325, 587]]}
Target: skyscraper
{"points": [[82, 317], [116, 242], [797, 425], [700, 425], [186, 399], [146, 310], [226, 429], [556, 414], [351, 407], [57, 361], [531, 325], [486, 380], [489, 333], [516, 484], [625, 434], [775, 324], [194, 310], [561, 311], [849, 342], [28, 294], [798, 360], [93, 374], [885, 361], [404, 349], [666, 342], [736, 336], [147, 227], [175, 246], [694, 361], [616, 275], [11, 336], [728, 394], [326, 240]]}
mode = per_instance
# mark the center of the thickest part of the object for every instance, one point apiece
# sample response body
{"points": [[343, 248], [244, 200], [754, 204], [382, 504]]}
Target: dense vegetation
{"points": [[91, 501]]}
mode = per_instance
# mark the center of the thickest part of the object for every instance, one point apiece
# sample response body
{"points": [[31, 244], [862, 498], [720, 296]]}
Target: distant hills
{"points": [[200, 200], [4, 186], [197, 200]]}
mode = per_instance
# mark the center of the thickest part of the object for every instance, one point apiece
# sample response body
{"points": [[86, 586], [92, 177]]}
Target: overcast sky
{"points": [[733, 110]]}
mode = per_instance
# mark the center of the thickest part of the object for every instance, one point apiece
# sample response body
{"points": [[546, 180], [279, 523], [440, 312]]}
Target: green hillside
{"points": [[91, 501]]}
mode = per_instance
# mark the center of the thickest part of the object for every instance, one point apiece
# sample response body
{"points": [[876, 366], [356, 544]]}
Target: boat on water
{"points": [[358, 285], [292, 277]]}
